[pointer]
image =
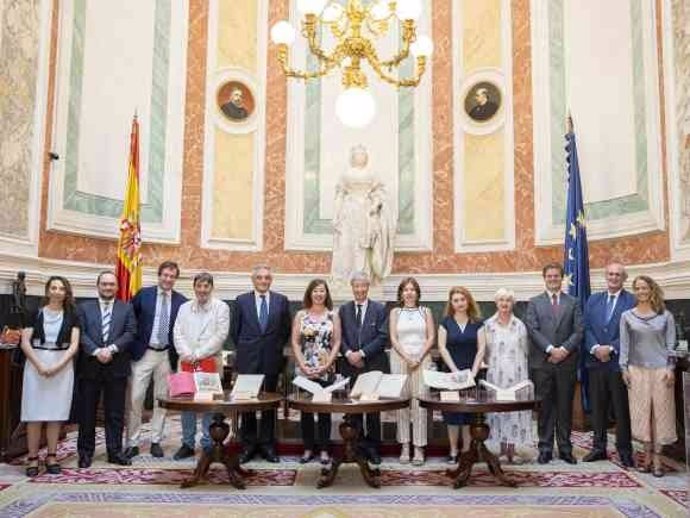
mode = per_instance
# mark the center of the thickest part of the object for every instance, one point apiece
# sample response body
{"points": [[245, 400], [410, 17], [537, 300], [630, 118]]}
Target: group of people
{"points": [[121, 347]]}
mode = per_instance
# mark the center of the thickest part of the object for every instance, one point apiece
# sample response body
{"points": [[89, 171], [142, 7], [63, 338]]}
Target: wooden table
{"points": [[479, 431], [349, 433], [219, 430]]}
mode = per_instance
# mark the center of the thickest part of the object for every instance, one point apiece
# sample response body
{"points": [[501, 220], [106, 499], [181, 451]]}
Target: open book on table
{"points": [[247, 386], [375, 384], [523, 389], [318, 392], [449, 380]]}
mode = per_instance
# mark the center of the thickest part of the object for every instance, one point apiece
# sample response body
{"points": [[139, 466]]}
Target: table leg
{"points": [[218, 430], [478, 452], [351, 454]]}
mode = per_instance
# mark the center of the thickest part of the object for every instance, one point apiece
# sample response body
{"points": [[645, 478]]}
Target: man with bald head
{"points": [[602, 346]]}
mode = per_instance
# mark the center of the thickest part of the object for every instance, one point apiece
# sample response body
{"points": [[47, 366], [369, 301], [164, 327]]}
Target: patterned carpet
{"points": [[149, 488]]}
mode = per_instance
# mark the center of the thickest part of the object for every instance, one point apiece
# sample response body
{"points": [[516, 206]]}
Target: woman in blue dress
{"points": [[461, 347]]}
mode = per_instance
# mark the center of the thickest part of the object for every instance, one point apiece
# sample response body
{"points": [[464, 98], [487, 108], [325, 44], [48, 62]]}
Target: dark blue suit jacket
{"points": [[144, 304], [123, 327], [372, 338], [260, 352], [598, 331]]}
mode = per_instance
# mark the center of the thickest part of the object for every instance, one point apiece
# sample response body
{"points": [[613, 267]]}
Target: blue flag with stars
{"points": [[576, 251]]}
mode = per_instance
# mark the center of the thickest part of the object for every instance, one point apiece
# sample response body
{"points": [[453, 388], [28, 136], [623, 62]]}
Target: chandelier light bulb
{"points": [[311, 6], [380, 10], [355, 107], [408, 9], [332, 13], [422, 47], [283, 33]]}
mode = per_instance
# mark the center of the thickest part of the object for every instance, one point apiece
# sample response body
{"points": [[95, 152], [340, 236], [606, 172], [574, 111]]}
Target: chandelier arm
{"points": [[302, 74], [409, 34], [406, 82], [320, 53]]}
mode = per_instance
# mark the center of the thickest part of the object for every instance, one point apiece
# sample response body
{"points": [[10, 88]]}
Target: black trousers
{"points": [[113, 391], [323, 431], [371, 439], [265, 435], [556, 388], [606, 391]]}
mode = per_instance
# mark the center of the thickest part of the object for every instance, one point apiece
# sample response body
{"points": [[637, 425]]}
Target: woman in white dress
{"points": [[508, 348], [363, 224], [412, 335], [49, 343]]}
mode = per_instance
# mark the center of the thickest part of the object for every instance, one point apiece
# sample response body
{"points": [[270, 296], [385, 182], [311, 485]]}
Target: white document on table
{"points": [[376, 383], [449, 380], [314, 388], [247, 386]]}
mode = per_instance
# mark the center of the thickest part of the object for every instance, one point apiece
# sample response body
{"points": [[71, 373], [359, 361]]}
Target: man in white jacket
{"points": [[200, 331]]}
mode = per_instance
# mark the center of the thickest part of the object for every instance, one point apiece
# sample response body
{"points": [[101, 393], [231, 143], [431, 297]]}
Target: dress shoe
{"points": [[156, 450], [568, 458], [307, 457], [131, 452], [119, 458], [544, 457], [247, 455], [84, 460], [626, 459], [269, 453], [184, 452], [594, 455]]}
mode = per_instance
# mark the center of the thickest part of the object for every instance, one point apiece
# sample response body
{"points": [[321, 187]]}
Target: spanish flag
{"points": [[129, 245]]}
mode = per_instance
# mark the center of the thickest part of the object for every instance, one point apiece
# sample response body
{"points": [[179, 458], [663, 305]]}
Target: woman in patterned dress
{"points": [[508, 349], [648, 335], [315, 344], [461, 345], [411, 329]]}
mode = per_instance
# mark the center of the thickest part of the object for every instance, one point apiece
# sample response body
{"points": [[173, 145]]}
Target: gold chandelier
{"points": [[356, 25]]}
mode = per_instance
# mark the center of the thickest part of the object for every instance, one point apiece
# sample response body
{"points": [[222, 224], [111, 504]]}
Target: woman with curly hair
{"points": [[49, 342], [647, 337]]}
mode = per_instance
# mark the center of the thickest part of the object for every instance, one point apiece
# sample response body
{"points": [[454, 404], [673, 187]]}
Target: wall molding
{"points": [[673, 277], [73, 211], [616, 223], [504, 77], [257, 126]]}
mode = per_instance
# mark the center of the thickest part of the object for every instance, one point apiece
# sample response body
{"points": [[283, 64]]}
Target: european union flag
{"points": [[576, 251]]}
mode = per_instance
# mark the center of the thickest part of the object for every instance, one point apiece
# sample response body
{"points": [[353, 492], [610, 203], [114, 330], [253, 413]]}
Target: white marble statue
{"points": [[363, 224]]}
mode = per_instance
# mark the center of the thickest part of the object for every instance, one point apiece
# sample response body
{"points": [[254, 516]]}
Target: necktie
{"points": [[358, 316], [164, 321], [106, 317], [554, 304], [263, 314], [610, 304]]}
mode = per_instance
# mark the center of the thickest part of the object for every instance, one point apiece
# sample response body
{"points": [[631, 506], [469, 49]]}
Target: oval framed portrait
{"points": [[236, 104], [481, 102]]}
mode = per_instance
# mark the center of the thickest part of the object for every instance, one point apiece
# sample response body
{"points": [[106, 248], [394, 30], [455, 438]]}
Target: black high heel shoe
{"points": [[32, 471], [307, 457], [52, 468]]}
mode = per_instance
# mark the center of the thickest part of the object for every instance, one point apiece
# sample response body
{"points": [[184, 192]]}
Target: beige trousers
{"points": [[154, 364], [414, 415]]}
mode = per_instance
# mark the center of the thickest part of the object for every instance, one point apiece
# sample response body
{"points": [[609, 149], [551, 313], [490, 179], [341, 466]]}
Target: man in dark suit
{"points": [[364, 338], [153, 354], [108, 327], [554, 323], [602, 347], [234, 108], [260, 328]]}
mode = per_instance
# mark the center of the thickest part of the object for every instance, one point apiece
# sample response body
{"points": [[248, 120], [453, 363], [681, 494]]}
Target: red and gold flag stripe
{"points": [[129, 245]]}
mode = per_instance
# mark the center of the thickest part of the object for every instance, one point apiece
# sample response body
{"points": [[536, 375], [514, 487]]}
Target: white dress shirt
{"points": [[257, 301], [200, 330], [153, 341]]}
